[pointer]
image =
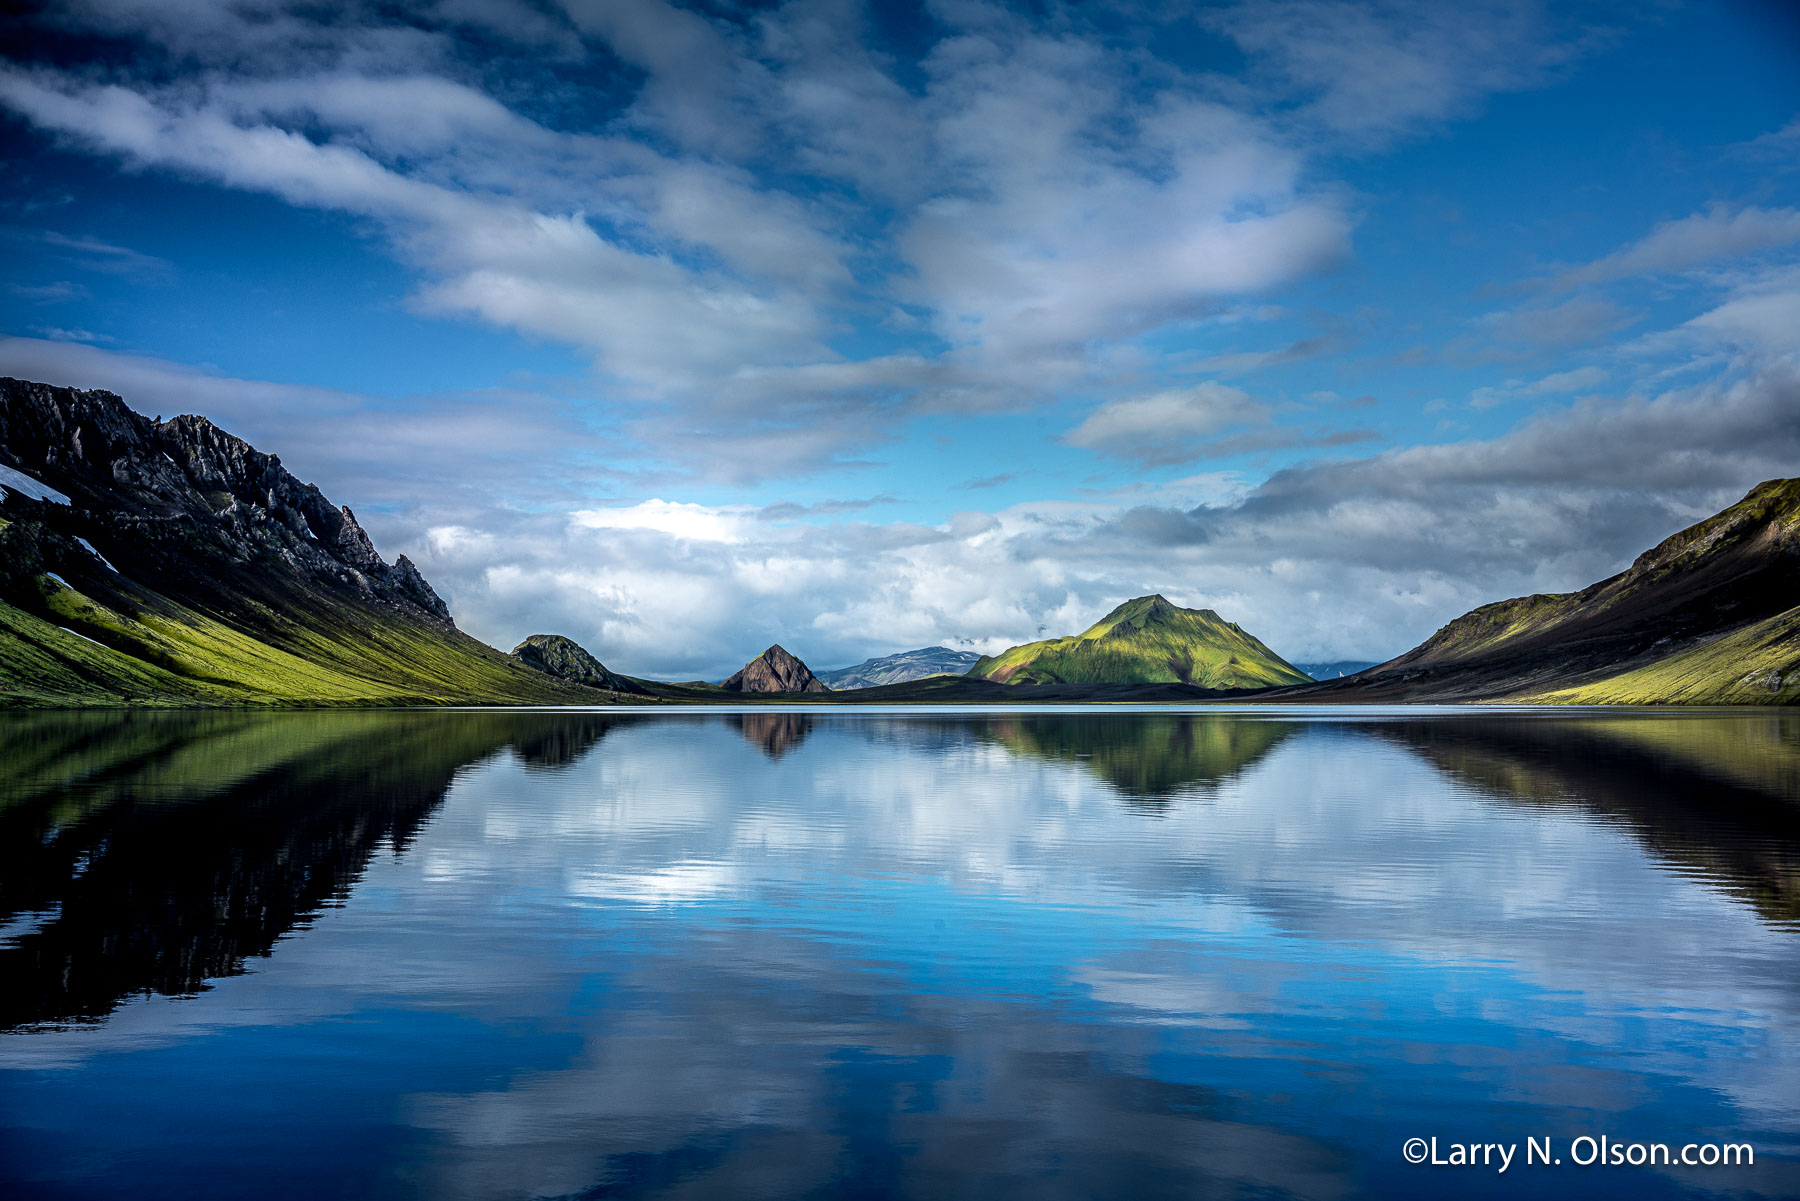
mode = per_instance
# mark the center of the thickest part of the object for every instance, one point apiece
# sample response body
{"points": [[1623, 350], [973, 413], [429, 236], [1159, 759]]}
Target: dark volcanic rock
{"points": [[151, 561], [774, 671], [566, 659], [159, 497]]}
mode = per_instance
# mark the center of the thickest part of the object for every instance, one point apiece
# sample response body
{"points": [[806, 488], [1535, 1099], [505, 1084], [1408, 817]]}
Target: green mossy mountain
{"points": [[168, 562], [1147, 641], [1708, 616]]}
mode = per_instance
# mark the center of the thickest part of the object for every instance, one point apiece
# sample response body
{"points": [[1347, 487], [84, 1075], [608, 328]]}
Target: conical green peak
{"points": [[1148, 639]]}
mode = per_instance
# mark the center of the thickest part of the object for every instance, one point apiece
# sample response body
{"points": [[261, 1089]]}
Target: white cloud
{"points": [[1373, 71], [1576, 380], [1677, 246]]}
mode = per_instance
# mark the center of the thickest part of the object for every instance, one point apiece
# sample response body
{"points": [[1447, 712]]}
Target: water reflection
{"points": [[150, 852], [1063, 954], [1718, 795], [1148, 757], [774, 733]]}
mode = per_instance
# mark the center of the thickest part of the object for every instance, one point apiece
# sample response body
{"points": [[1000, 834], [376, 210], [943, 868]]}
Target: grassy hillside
{"points": [[1147, 641]]}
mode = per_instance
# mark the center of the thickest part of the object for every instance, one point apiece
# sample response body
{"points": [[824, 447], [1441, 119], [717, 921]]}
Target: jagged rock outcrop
{"points": [[156, 494], [169, 562], [566, 659], [775, 670]]}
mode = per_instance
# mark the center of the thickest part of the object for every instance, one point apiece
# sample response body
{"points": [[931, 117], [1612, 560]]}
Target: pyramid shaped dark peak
{"points": [[775, 670]]}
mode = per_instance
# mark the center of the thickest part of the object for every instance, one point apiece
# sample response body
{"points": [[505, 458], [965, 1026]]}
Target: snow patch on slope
{"points": [[25, 485]]}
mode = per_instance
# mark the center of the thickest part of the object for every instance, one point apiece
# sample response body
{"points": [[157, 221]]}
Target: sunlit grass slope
{"points": [[1751, 666], [1147, 641], [81, 652]]}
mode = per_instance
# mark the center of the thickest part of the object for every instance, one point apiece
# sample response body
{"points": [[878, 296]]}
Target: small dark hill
{"points": [[566, 659]]}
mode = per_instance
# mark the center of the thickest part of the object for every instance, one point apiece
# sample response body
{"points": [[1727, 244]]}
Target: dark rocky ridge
{"points": [[775, 670], [180, 565], [151, 495], [567, 659]]}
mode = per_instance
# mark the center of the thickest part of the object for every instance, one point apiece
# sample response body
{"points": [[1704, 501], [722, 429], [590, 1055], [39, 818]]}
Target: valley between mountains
{"points": [[169, 563]]}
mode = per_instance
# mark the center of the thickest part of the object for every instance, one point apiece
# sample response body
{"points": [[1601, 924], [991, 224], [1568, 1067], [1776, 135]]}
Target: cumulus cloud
{"points": [[1355, 558], [722, 235]]}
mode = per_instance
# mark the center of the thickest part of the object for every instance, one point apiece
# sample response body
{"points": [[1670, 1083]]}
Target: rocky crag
{"points": [[775, 670], [149, 561]]}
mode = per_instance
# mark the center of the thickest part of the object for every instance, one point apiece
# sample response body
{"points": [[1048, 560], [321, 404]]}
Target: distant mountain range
{"points": [[1147, 641], [1708, 616], [167, 562], [901, 668]]}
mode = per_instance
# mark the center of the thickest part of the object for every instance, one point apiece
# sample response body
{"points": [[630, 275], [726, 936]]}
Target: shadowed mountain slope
{"points": [[1147, 641], [168, 562], [1710, 615]]}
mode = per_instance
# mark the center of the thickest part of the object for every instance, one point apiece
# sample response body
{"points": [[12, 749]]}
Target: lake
{"points": [[829, 953]]}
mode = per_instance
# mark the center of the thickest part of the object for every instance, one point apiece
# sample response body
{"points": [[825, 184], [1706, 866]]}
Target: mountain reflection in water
{"points": [[925, 954], [170, 846]]}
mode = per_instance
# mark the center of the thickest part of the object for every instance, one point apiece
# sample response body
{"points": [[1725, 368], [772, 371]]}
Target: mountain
{"points": [[168, 562], [775, 670], [901, 668], [1146, 641], [566, 659], [1710, 615]]}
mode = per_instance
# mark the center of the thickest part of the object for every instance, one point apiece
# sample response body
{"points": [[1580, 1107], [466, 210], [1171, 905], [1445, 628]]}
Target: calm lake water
{"points": [[1126, 954]]}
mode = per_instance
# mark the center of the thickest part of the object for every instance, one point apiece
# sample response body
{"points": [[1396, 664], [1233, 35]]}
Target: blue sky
{"points": [[683, 330]]}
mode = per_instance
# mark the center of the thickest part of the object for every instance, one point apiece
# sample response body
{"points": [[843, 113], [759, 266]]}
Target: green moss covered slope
{"points": [[1147, 641]]}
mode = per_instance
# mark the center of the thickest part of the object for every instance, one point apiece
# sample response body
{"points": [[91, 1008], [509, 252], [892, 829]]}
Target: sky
{"points": [[683, 330]]}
